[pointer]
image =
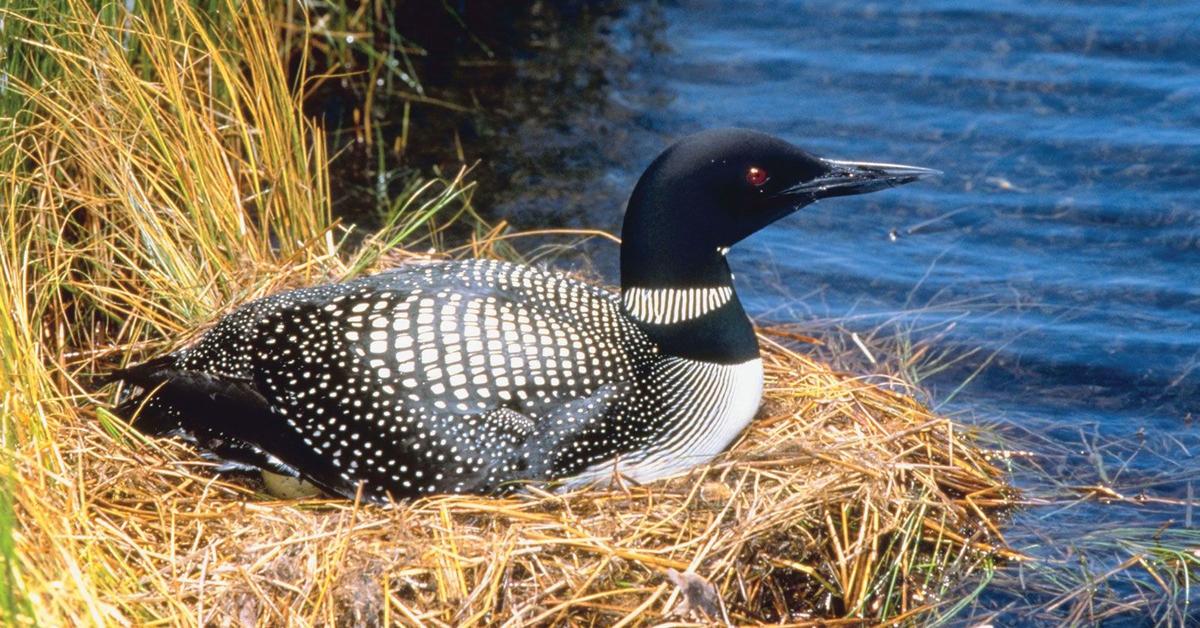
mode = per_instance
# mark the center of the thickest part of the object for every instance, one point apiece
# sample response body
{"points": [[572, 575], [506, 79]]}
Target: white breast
{"points": [[711, 405]]}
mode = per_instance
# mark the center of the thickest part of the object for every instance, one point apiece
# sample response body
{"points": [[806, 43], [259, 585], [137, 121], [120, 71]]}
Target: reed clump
{"points": [[157, 171]]}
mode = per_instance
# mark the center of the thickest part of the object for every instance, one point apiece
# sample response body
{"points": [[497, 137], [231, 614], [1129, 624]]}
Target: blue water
{"points": [[1062, 245]]}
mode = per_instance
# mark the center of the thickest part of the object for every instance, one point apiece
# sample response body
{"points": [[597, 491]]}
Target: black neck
{"points": [[650, 259]]}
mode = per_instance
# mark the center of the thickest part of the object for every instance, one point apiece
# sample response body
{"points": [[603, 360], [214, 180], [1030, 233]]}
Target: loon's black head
{"points": [[717, 187], [704, 194]]}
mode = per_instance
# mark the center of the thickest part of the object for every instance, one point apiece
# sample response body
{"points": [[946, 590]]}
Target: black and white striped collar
{"points": [[666, 306]]}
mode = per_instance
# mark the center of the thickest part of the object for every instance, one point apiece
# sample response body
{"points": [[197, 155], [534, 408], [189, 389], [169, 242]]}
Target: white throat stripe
{"points": [[663, 306]]}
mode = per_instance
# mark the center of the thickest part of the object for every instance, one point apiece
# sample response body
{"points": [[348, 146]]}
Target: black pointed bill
{"points": [[856, 177]]}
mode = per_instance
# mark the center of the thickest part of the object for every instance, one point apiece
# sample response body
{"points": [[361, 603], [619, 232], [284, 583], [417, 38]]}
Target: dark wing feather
{"points": [[226, 417]]}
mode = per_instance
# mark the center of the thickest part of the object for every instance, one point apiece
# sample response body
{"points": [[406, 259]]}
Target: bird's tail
{"points": [[140, 401], [224, 418]]}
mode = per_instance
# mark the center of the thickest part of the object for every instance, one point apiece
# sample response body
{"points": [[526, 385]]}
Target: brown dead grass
{"points": [[831, 505]]}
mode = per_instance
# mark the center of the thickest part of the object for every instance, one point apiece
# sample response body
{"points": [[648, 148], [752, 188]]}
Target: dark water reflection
{"points": [[1063, 244], [533, 92]]}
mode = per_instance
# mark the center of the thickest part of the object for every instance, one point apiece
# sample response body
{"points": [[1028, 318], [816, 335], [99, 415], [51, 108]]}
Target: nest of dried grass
{"points": [[843, 499]]}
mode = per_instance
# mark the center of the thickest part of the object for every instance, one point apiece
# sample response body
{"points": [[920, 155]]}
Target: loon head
{"points": [[713, 189], [701, 196]]}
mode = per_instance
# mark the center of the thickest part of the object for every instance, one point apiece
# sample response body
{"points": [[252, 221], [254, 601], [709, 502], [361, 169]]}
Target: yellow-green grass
{"points": [[155, 172]]}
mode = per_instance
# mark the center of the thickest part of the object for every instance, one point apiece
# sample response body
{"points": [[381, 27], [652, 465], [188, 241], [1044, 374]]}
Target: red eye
{"points": [[756, 176]]}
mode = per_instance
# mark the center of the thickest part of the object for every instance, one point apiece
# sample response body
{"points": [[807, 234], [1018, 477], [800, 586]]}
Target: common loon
{"points": [[478, 376]]}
